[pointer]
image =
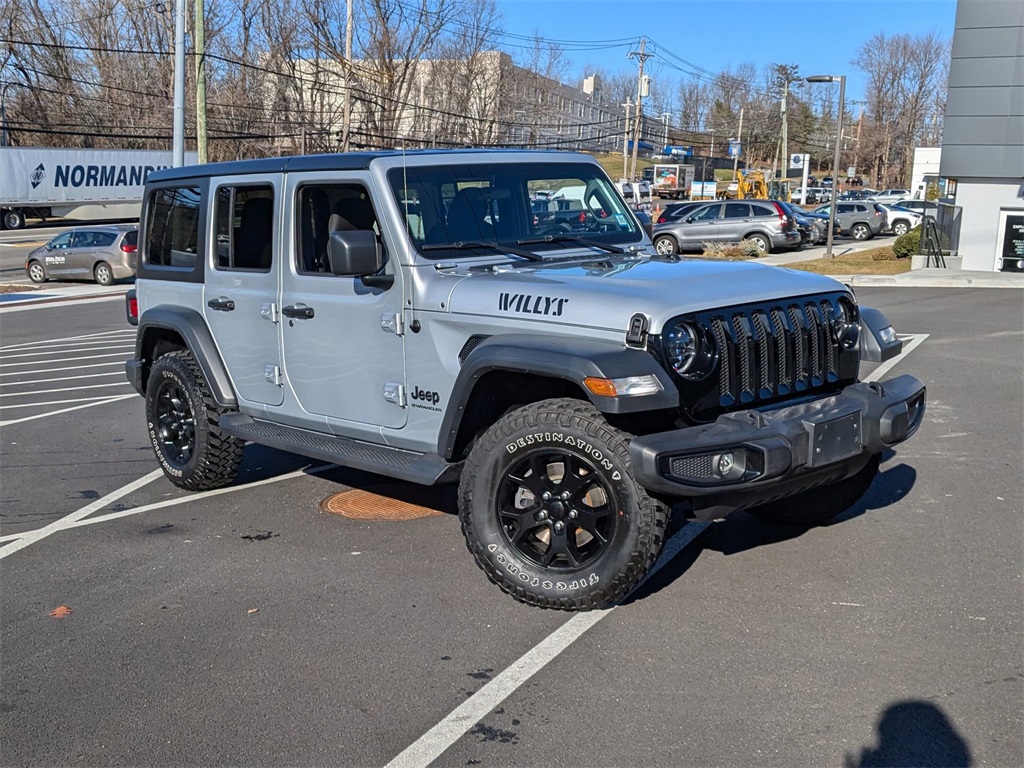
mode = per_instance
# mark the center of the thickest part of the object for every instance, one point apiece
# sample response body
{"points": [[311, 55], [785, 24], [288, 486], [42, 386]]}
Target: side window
{"points": [[245, 227], [172, 227], [81, 239], [103, 239], [737, 210], [762, 211], [60, 242], [844, 208], [707, 214], [326, 208]]}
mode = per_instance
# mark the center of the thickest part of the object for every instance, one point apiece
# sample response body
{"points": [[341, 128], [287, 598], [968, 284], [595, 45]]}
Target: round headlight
{"points": [[846, 327], [687, 350]]}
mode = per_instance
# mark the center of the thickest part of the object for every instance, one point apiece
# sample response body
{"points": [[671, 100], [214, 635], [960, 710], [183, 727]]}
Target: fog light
{"points": [[888, 335], [730, 466], [725, 463]]}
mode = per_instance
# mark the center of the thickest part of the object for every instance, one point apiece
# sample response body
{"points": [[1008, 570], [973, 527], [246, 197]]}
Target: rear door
{"points": [[240, 293], [735, 222], [79, 256]]}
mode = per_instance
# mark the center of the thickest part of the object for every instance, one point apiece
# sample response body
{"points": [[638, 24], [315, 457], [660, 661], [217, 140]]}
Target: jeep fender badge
{"points": [[636, 335]]}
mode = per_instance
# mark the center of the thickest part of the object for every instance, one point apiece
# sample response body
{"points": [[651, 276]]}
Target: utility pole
{"points": [[643, 57], [200, 41], [178, 142], [739, 141], [625, 140], [346, 134], [785, 131]]}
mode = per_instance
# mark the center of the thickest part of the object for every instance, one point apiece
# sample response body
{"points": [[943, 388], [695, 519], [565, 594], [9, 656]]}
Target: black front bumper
{"points": [[752, 457]]}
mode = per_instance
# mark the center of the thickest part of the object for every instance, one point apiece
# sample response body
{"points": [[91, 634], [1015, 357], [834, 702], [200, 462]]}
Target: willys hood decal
{"points": [[606, 293]]}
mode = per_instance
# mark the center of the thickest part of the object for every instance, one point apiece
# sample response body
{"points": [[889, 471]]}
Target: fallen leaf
{"points": [[60, 612], [253, 610]]}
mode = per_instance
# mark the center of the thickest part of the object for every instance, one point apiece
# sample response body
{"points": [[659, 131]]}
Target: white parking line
{"points": [[90, 336], [125, 345], [70, 346], [65, 522], [68, 359], [63, 389], [56, 402], [59, 378], [68, 368], [23, 419], [434, 742]]}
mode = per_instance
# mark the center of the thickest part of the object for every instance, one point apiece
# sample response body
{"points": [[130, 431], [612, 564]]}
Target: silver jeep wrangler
{"points": [[417, 315]]}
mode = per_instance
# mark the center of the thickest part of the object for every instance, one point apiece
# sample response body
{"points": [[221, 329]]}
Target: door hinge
{"points": [[394, 393], [269, 312], [392, 323], [272, 373]]}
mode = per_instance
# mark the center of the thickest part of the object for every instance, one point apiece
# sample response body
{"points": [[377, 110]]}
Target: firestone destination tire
{"points": [[182, 422], [551, 511], [820, 506]]}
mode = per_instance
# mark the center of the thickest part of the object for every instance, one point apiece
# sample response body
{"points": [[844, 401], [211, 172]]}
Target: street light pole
{"points": [[835, 160]]}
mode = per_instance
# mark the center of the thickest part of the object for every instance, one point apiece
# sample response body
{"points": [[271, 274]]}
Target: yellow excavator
{"points": [[751, 185]]}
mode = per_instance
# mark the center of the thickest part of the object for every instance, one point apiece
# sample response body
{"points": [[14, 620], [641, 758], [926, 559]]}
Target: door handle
{"points": [[297, 310], [221, 304]]}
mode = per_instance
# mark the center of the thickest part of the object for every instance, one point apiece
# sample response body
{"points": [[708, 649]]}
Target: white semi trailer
{"points": [[81, 183]]}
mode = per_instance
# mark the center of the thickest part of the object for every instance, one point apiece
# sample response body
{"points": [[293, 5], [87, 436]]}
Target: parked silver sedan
{"points": [[103, 253]]}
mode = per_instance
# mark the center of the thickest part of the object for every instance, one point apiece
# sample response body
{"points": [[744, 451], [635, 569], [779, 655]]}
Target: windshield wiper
{"points": [[572, 239], [468, 244]]}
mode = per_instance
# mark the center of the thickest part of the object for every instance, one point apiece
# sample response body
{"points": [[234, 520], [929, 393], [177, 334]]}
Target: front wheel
{"points": [[819, 506], [900, 228], [102, 274], [665, 245], [861, 232], [36, 273], [551, 511], [14, 220], [183, 424]]}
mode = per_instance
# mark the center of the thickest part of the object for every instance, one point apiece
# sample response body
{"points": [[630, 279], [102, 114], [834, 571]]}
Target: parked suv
{"points": [[860, 220], [765, 222], [577, 385], [100, 253]]}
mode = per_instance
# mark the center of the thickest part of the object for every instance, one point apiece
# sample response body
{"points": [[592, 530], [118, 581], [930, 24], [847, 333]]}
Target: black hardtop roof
{"points": [[340, 161]]}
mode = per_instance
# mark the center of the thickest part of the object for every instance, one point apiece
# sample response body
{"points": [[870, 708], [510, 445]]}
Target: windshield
{"points": [[508, 204]]}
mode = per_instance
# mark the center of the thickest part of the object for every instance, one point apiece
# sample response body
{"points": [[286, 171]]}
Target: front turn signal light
{"points": [[626, 387]]}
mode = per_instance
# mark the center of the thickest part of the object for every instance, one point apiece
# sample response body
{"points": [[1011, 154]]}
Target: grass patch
{"points": [[873, 261], [15, 288], [614, 167]]}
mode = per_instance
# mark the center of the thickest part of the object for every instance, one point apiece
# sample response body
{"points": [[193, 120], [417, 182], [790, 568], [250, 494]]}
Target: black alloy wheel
{"points": [[556, 510], [176, 424]]}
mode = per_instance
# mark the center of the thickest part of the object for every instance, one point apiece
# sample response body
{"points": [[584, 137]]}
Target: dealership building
{"points": [[983, 134]]}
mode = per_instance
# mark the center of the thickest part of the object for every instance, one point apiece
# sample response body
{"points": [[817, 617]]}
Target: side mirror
{"points": [[354, 253]]}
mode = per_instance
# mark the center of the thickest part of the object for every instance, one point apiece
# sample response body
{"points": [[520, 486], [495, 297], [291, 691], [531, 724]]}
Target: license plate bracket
{"points": [[834, 440]]}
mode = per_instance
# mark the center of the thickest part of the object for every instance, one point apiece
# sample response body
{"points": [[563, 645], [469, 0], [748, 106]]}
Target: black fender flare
{"points": [[559, 357], [192, 328]]}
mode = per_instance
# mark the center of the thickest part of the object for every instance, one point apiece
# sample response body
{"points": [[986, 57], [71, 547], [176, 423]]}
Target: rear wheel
{"points": [[820, 505], [665, 245], [14, 219], [764, 245], [551, 511], [36, 273], [860, 231], [102, 274], [183, 424]]}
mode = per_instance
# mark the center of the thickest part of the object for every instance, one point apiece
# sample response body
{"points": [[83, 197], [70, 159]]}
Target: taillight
{"points": [[662, 219], [131, 307], [129, 248], [781, 212]]}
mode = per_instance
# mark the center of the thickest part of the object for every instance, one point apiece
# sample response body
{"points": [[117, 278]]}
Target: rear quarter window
{"points": [[172, 227]]}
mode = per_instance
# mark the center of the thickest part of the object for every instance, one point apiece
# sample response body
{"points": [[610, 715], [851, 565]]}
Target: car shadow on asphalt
{"points": [[740, 531]]}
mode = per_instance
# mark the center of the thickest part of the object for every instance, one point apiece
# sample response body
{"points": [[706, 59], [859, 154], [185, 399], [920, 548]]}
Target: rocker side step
{"points": [[422, 468]]}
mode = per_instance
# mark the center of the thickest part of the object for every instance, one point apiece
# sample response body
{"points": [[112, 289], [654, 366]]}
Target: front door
{"points": [[703, 226], [344, 350], [244, 247]]}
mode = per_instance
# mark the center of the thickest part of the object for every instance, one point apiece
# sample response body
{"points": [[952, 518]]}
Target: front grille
{"points": [[771, 351], [696, 467]]}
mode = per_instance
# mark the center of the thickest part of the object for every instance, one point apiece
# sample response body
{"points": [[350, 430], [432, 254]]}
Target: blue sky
{"points": [[820, 36]]}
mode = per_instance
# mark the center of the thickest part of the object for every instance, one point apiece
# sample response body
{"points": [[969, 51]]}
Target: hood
{"points": [[606, 295]]}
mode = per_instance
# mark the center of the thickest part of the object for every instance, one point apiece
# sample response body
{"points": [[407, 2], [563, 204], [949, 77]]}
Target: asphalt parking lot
{"points": [[144, 625]]}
